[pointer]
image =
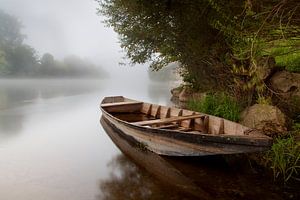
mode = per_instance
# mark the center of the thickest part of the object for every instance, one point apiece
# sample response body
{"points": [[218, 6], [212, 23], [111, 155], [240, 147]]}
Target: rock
{"points": [[287, 88], [266, 118], [176, 91], [185, 95], [285, 82]]}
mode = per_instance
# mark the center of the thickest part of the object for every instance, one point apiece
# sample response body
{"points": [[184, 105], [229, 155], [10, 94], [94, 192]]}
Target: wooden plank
{"points": [[164, 112], [105, 105], [206, 124], [174, 112], [183, 129], [122, 107], [154, 110], [167, 120], [187, 123], [113, 99], [221, 129], [167, 126], [146, 108]]}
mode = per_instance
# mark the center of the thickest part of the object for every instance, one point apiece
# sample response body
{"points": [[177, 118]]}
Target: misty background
{"points": [[69, 28]]}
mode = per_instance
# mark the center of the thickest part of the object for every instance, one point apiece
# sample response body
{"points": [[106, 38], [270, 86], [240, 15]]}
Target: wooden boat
{"points": [[157, 166], [178, 132]]}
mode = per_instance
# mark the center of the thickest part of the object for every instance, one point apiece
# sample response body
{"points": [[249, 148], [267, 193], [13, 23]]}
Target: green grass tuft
{"points": [[287, 54], [218, 104], [284, 158]]}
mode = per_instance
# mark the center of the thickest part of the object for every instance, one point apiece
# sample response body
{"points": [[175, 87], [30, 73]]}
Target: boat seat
{"points": [[169, 126], [124, 103], [167, 120], [125, 106]]}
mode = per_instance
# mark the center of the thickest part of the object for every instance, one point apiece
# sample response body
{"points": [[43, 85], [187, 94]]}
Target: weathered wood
{"points": [[155, 110], [167, 120], [164, 112], [183, 129], [221, 128], [167, 126], [206, 124], [174, 112], [113, 99], [187, 123], [206, 135], [122, 106], [146, 108], [105, 105]]}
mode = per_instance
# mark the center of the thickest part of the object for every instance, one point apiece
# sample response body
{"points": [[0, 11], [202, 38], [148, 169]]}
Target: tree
{"points": [[10, 30], [22, 60], [47, 64], [3, 63], [17, 58], [207, 37]]}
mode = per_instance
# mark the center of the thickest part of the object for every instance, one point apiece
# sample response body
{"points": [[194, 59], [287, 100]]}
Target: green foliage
{"points": [[284, 158], [296, 127], [19, 58], [161, 32], [207, 37], [287, 54], [264, 100], [218, 104]]}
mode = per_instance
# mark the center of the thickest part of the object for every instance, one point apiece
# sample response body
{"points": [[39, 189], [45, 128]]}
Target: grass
{"points": [[287, 54], [218, 104], [284, 156]]}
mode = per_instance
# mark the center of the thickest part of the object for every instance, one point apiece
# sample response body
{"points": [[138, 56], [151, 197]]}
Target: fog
{"points": [[68, 27]]}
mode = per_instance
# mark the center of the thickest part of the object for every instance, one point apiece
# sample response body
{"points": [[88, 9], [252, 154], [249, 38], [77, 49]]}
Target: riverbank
{"points": [[278, 117]]}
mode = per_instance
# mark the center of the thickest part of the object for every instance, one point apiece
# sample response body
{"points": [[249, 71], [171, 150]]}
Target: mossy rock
{"points": [[266, 118]]}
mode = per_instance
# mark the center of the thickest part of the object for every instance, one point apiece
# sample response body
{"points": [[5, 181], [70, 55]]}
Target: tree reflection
{"points": [[16, 93]]}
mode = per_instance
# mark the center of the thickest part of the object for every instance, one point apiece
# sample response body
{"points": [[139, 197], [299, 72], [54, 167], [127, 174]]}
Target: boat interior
{"points": [[169, 118]]}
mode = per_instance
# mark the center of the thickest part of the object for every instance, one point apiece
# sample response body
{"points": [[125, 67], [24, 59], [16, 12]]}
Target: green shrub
{"points": [[218, 104], [284, 158], [287, 54], [290, 62]]}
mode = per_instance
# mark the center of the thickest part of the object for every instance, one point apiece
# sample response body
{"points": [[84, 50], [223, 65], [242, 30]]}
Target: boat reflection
{"points": [[137, 183], [145, 175]]}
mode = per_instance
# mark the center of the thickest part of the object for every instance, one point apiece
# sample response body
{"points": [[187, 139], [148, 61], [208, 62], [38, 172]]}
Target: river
{"points": [[52, 146]]}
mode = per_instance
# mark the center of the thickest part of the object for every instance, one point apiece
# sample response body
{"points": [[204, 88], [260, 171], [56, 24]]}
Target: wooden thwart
{"points": [[124, 103], [169, 126], [167, 120]]}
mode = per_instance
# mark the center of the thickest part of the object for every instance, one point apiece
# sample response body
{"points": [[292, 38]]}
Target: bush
{"points": [[287, 54], [218, 104]]}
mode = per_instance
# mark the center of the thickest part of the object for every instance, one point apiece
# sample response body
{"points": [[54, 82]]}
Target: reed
{"points": [[284, 158]]}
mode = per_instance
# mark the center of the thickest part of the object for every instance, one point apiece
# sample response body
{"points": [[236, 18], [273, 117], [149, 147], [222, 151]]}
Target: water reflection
{"points": [[191, 178], [17, 93]]}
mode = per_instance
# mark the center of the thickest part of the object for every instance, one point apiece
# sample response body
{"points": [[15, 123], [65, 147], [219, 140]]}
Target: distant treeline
{"points": [[19, 59]]}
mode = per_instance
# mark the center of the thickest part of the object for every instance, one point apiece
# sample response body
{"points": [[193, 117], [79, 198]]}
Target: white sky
{"points": [[65, 27]]}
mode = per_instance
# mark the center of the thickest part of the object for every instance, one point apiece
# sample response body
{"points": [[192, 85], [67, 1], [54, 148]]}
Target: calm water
{"points": [[52, 146]]}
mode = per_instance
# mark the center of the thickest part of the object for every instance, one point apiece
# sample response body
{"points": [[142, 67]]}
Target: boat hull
{"points": [[176, 143]]}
